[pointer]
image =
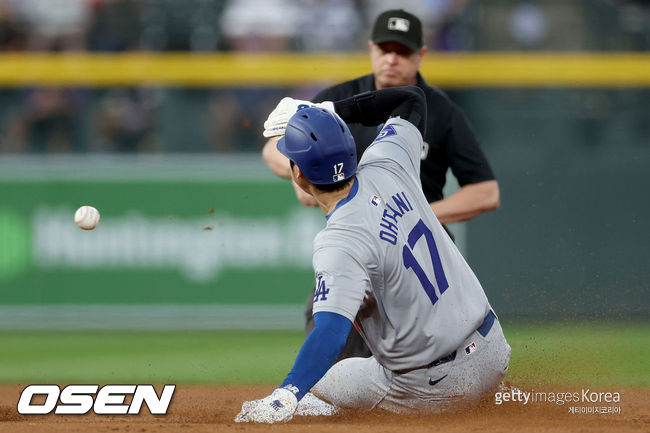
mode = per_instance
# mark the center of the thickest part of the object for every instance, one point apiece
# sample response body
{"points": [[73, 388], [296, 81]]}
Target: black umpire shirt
{"points": [[449, 142]]}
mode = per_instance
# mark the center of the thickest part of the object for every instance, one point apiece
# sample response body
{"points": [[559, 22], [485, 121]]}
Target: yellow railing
{"points": [[286, 69]]}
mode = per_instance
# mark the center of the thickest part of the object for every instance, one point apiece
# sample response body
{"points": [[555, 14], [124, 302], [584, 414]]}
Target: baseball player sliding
{"points": [[383, 263]]}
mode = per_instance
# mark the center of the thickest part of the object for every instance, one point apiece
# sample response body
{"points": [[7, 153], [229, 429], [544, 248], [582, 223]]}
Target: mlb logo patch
{"points": [[386, 132], [276, 405], [375, 200], [337, 177], [471, 348], [399, 24]]}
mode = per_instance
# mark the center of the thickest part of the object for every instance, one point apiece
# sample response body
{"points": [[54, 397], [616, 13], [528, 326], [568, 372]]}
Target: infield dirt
{"points": [[212, 409]]}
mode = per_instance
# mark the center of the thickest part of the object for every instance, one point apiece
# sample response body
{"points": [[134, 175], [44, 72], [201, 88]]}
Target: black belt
{"points": [[483, 329], [487, 324]]}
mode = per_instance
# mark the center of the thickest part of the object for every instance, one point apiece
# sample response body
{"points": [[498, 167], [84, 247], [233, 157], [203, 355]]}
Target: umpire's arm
{"points": [[277, 162], [467, 202]]}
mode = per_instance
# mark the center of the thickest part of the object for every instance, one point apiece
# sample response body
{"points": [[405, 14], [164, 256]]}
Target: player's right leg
{"points": [[354, 383], [475, 370]]}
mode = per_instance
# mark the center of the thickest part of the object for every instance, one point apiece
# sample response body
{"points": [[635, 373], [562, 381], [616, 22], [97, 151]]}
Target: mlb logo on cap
{"points": [[399, 24], [338, 177]]}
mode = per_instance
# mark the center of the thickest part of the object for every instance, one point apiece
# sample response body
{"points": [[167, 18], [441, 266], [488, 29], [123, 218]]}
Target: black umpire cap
{"points": [[397, 25]]}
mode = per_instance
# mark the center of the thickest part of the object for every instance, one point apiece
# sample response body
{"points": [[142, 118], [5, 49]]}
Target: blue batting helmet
{"points": [[321, 144]]}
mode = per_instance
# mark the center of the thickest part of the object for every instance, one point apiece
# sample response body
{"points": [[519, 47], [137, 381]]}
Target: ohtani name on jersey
{"points": [[388, 228]]}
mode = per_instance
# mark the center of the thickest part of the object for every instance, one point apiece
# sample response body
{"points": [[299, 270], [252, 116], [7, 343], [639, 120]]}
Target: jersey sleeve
{"points": [[341, 282], [400, 142]]}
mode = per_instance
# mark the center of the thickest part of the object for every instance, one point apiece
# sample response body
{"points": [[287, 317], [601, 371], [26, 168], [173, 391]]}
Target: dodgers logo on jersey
{"points": [[321, 290], [387, 131]]}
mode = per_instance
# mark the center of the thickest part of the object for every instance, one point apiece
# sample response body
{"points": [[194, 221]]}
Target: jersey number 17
{"points": [[410, 262]]}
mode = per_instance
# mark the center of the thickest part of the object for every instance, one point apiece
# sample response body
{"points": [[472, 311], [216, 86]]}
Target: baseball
{"points": [[86, 217]]}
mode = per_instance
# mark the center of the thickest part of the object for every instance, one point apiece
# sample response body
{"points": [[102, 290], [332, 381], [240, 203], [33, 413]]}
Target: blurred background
{"points": [[152, 111]]}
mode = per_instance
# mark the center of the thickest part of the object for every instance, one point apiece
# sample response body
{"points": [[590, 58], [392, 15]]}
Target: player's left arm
{"points": [[342, 286], [318, 353]]}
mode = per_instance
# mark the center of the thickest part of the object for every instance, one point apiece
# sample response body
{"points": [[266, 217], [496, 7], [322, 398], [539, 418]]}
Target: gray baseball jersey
{"points": [[385, 262]]}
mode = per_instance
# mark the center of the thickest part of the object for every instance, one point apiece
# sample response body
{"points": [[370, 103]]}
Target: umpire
{"points": [[396, 52]]}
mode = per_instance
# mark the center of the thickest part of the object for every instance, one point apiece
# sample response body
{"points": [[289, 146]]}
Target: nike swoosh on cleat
{"points": [[433, 382]]}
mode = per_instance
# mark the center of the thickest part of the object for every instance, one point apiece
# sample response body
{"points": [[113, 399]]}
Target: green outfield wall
{"points": [[209, 242], [572, 236], [197, 231]]}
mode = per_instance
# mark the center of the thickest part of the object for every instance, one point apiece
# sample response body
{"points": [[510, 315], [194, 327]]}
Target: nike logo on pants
{"points": [[433, 382]]}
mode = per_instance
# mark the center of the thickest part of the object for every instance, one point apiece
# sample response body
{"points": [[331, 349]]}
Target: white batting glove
{"points": [[277, 407], [276, 123]]}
